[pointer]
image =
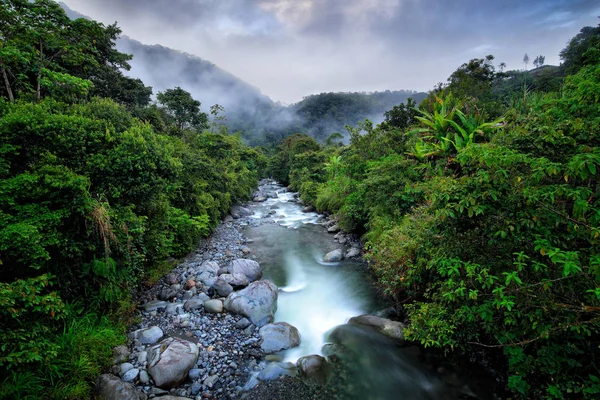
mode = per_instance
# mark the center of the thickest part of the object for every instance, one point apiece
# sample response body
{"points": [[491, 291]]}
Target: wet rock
{"points": [[276, 370], [250, 268], [242, 211], [154, 305], [259, 199], [228, 218], [213, 306], [170, 361], [257, 302], [308, 209], [314, 370], [334, 256], [387, 327], [278, 336], [342, 240], [333, 229], [109, 387]]}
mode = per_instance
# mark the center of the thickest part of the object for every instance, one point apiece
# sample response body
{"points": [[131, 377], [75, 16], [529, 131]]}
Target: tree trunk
{"points": [[7, 83], [39, 74]]}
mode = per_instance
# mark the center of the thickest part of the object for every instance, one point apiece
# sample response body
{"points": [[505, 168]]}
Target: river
{"points": [[318, 297]]}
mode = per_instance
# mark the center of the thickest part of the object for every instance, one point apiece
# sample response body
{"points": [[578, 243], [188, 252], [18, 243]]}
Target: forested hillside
{"points": [[98, 189], [480, 209]]}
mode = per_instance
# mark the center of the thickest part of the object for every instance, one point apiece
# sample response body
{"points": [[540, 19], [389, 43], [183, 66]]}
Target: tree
{"points": [[526, 60], [539, 61], [182, 110], [401, 116], [573, 56]]}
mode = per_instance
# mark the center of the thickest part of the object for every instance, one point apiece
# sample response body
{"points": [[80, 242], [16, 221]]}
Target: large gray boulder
{"points": [[236, 279], [209, 267], [257, 302], [387, 327], [110, 387], [314, 370], [241, 211], [170, 361], [148, 335], [334, 256], [250, 268], [278, 336]]}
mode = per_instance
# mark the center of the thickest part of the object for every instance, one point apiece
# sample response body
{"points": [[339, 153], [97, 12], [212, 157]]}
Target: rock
{"points": [[213, 306], [275, 370], [169, 397], [251, 384], [387, 327], [251, 269], [154, 305], [210, 267], [194, 374], [228, 218], [170, 361], [257, 302], [235, 279], [342, 240], [314, 370], [333, 256], [109, 387], [193, 304], [210, 381], [353, 252], [142, 357], [169, 293], [246, 250], [131, 375], [308, 209], [120, 354], [174, 309], [259, 199], [222, 287], [278, 336], [171, 279], [241, 211], [190, 283], [125, 367], [333, 229], [144, 377], [243, 323]]}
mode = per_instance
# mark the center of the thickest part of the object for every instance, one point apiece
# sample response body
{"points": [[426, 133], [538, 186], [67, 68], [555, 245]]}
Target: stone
{"points": [[190, 283], [314, 370], [342, 240], [142, 357], [110, 387], [387, 327], [210, 267], [131, 375], [259, 199], [124, 368], [144, 377], [334, 256], [250, 268], [308, 209], [278, 336], [210, 381], [257, 302], [170, 361], [242, 211], [174, 309], [203, 296], [213, 306], [236, 279], [154, 305], [193, 304], [276, 370], [353, 253], [228, 218], [168, 293], [222, 287], [195, 374], [243, 323], [120, 354], [333, 229], [171, 279]]}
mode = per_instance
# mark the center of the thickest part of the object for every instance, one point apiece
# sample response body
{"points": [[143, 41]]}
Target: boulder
{"points": [[308, 209], [236, 279], [333, 229], [120, 354], [222, 287], [213, 306], [148, 335], [210, 267], [154, 305], [314, 370], [259, 199], [170, 361], [109, 387], [241, 211], [278, 336], [334, 256], [387, 327], [276, 370], [257, 302], [250, 268]]}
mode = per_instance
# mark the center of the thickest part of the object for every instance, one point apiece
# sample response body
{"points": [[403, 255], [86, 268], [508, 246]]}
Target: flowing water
{"points": [[317, 297]]}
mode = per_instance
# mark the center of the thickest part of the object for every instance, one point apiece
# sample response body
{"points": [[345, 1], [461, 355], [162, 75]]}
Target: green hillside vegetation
{"points": [[480, 210], [98, 190]]}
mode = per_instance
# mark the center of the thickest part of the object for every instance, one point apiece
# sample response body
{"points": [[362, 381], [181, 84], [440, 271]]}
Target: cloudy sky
{"points": [[292, 48]]}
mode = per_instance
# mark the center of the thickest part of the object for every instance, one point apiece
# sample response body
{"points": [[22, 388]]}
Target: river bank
{"points": [[195, 338]]}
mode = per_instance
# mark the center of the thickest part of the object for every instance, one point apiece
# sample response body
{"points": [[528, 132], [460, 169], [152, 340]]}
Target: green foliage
{"points": [[181, 110]]}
